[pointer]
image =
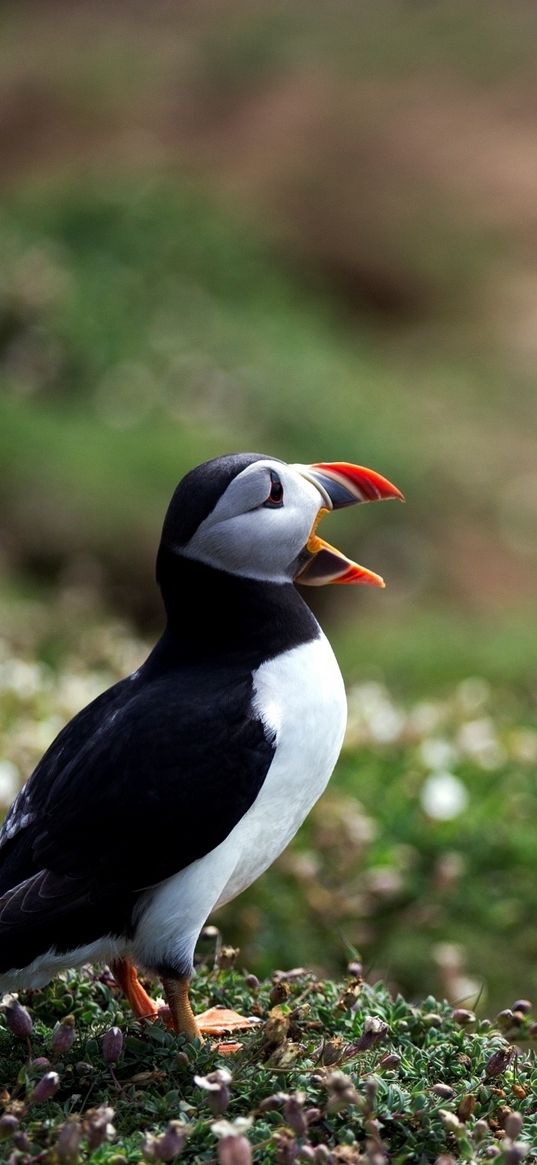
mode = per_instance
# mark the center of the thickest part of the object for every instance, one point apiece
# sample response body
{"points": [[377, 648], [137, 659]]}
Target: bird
{"points": [[176, 788]]}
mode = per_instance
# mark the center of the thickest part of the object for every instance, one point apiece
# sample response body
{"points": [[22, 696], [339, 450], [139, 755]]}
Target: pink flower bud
{"points": [[293, 1111], [63, 1036], [497, 1063], [170, 1143], [21, 1141], [234, 1151], [514, 1154], [149, 1147], [45, 1088], [443, 1090], [68, 1142], [513, 1125], [8, 1125], [98, 1126], [216, 1085], [227, 957], [18, 1020], [374, 1032], [112, 1045], [480, 1131], [272, 1102], [462, 1016]]}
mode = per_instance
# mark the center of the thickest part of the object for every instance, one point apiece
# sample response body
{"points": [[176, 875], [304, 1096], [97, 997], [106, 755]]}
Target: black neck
{"points": [[217, 616]]}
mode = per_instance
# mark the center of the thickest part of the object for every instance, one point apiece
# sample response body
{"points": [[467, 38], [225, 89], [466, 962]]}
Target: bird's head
{"points": [[257, 517]]}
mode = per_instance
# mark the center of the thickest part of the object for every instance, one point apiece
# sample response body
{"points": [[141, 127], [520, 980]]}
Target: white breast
{"points": [[301, 697]]}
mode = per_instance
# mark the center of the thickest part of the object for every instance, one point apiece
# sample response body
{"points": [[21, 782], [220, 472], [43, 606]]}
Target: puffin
{"points": [[173, 790]]}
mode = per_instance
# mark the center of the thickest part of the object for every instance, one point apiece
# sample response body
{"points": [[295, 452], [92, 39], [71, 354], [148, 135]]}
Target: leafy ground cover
{"points": [[335, 1074]]}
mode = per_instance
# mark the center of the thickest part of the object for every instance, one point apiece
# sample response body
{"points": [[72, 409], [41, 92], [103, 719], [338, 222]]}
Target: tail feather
{"points": [[55, 912]]}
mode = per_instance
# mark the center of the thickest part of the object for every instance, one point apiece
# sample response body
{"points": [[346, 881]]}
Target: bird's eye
{"points": [[275, 498]]}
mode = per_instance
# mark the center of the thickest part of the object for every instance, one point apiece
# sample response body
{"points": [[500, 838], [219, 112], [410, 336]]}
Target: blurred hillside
{"points": [[260, 226]]}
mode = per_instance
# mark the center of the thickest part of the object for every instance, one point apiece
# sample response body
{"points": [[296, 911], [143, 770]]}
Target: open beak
{"points": [[340, 484]]}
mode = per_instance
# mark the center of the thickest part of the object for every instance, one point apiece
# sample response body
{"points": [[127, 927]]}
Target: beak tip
{"points": [[394, 495]]}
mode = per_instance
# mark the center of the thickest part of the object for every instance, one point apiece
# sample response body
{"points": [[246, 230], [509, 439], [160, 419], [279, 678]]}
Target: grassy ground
{"points": [[336, 1074]]}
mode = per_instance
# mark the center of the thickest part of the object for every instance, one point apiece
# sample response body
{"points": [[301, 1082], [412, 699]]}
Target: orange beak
{"points": [[341, 484]]}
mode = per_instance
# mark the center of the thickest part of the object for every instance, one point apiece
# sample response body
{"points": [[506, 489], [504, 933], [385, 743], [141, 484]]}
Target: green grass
{"points": [[436, 648], [142, 330], [342, 1065]]}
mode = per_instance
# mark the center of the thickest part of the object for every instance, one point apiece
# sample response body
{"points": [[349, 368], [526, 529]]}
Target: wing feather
{"points": [[147, 779]]}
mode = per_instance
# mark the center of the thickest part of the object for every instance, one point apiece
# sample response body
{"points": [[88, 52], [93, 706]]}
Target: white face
{"points": [[245, 535]]}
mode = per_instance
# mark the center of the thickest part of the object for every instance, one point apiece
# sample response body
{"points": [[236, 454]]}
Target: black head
{"points": [[198, 493], [255, 517]]}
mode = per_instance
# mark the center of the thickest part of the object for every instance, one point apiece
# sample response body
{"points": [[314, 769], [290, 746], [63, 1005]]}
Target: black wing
{"points": [[16, 838], [145, 785]]}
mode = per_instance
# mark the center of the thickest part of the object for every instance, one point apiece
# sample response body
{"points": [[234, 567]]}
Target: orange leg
{"points": [[126, 976], [216, 1021], [182, 1017], [177, 1014]]}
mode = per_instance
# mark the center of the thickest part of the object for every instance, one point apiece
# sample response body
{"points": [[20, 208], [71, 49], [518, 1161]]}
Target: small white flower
{"points": [[214, 1081], [425, 717], [234, 1128], [443, 796], [386, 724], [473, 694], [478, 740], [373, 716], [436, 753], [21, 678], [9, 781]]}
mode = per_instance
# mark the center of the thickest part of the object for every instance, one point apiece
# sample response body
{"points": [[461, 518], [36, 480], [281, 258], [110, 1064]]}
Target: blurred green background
{"points": [[307, 230]]}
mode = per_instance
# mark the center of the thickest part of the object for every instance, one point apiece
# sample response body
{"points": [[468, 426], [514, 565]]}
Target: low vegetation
{"points": [[335, 1074]]}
